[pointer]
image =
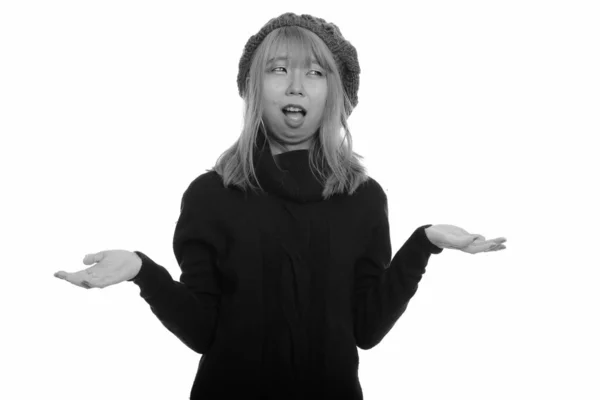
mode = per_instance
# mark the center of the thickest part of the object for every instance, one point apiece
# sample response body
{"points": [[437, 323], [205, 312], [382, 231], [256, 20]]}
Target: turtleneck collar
{"points": [[294, 181]]}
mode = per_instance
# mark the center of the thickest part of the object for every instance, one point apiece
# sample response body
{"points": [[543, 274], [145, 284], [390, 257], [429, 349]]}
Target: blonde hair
{"points": [[331, 158]]}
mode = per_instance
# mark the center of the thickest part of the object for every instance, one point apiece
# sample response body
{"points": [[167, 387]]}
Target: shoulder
{"points": [[206, 187], [375, 188], [372, 192], [369, 201], [209, 180]]}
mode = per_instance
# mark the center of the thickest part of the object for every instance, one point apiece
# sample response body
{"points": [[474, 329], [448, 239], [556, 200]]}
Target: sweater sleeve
{"points": [[189, 309], [382, 289]]}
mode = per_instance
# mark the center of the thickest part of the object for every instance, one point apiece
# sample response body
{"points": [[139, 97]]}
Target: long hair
{"points": [[331, 158]]}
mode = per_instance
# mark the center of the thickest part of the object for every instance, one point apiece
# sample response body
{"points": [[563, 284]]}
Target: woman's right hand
{"points": [[113, 266]]}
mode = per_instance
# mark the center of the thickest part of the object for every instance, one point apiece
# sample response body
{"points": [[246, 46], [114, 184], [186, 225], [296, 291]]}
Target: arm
{"points": [[190, 308], [383, 289]]}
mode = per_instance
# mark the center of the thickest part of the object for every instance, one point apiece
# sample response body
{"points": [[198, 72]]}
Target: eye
{"points": [[312, 71]]}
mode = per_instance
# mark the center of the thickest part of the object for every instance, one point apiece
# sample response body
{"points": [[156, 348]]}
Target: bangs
{"points": [[300, 45]]}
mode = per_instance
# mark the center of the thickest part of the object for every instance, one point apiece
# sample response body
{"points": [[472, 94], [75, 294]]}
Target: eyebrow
{"points": [[286, 58]]}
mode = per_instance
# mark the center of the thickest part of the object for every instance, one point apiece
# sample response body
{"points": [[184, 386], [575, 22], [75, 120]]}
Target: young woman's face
{"points": [[292, 83]]}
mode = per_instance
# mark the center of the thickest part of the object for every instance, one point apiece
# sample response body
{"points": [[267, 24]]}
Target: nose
{"points": [[296, 86]]}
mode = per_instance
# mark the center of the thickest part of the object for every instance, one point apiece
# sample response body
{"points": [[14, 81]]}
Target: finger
{"points": [[60, 274], [86, 278], [478, 247], [87, 283], [492, 246], [93, 258], [82, 278], [496, 247]]}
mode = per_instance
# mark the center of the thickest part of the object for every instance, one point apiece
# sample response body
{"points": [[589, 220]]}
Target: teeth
{"points": [[293, 109]]}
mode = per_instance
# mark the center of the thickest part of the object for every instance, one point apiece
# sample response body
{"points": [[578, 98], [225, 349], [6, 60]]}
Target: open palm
{"points": [[453, 237], [112, 267]]}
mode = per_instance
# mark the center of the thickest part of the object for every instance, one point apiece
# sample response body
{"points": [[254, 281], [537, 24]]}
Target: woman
{"points": [[284, 245]]}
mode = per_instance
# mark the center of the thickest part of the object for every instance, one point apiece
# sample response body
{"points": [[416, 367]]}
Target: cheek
{"points": [[322, 94], [322, 99], [317, 88], [269, 103]]}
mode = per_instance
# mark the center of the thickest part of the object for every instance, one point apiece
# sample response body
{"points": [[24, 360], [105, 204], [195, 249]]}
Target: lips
{"points": [[294, 108]]}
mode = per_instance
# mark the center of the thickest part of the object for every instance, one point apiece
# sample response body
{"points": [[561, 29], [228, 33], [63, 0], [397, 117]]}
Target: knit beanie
{"points": [[343, 52]]}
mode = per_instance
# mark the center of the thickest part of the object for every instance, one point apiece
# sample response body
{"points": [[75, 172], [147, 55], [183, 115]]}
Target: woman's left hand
{"points": [[453, 237]]}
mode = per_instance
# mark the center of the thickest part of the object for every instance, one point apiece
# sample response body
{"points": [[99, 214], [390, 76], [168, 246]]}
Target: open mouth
{"points": [[294, 111]]}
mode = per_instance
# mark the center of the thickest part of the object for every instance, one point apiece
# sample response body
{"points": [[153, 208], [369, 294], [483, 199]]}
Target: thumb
{"points": [[90, 259], [469, 240], [475, 237]]}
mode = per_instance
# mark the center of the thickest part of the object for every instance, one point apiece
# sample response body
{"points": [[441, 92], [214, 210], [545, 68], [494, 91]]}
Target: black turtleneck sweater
{"points": [[278, 289]]}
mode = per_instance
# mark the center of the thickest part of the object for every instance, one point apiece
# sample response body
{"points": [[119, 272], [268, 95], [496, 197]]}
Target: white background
{"points": [[479, 114]]}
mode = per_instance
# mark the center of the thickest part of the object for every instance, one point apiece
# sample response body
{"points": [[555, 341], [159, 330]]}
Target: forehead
{"points": [[292, 49]]}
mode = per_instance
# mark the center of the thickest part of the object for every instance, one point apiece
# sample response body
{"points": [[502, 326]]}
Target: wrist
{"points": [[427, 234], [137, 265]]}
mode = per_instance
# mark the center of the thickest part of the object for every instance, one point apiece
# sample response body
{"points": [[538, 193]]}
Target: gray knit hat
{"points": [[343, 52]]}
